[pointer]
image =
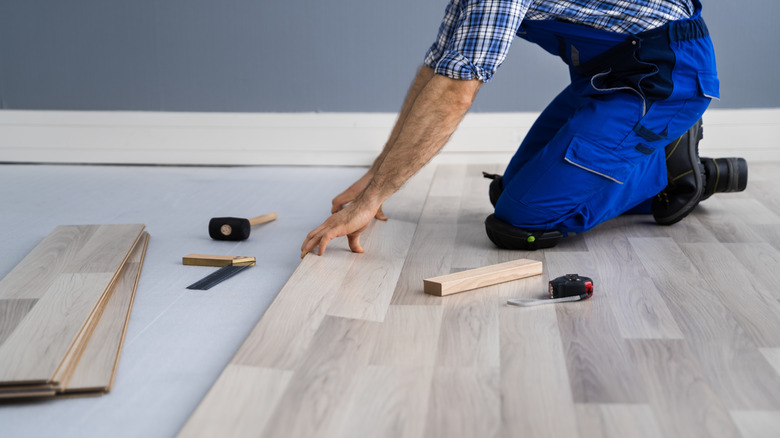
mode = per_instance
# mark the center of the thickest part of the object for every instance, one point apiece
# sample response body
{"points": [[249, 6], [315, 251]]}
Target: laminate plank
{"points": [[12, 312], [750, 210], [31, 277], [533, 377], [617, 421], [408, 337], [757, 424], [314, 401], [282, 336], [474, 247], [762, 260], [431, 252], [597, 358], [469, 330], [637, 305], [386, 251], [684, 402], [106, 250], [101, 252], [765, 192], [756, 311], [727, 226], [34, 352], [770, 234], [97, 364], [464, 402], [690, 230], [432, 244], [388, 401], [240, 403], [729, 357]]}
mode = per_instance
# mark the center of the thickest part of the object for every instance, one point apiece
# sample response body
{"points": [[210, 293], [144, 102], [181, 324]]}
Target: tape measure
{"points": [[569, 287]]}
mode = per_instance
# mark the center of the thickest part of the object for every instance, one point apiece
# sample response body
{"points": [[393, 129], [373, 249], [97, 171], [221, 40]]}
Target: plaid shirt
{"points": [[475, 35]]}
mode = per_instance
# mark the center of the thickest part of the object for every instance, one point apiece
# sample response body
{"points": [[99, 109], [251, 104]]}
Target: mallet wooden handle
{"points": [[268, 217]]}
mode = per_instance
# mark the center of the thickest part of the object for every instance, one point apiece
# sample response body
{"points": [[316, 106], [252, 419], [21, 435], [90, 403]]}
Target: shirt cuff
{"points": [[456, 66]]}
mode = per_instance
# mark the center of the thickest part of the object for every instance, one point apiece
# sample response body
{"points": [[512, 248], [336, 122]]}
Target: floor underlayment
{"points": [[681, 338]]}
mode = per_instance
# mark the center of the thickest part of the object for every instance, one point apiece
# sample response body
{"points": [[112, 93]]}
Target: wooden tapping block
{"points": [[215, 260], [480, 277]]}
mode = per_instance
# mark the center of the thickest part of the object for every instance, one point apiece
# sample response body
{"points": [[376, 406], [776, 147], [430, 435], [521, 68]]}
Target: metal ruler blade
{"points": [[219, 276]]}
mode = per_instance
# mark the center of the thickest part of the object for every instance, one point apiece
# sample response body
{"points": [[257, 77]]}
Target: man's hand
{"points": [[351, 193], [350, 221]]}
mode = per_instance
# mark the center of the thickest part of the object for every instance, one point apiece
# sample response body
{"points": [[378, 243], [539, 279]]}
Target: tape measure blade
{"points": [[533, 302]]}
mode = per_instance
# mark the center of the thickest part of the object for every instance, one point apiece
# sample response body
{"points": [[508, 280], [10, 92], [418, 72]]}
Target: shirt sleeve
{"points": [[474, 37]]}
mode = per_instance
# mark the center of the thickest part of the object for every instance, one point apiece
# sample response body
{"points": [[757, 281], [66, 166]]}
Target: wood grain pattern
{"points": [[597, 358], [685, 404], [240, 403], [755, 310], [725, 352], [32, 276], [462, 281], [44, 344], [97, 363], [637, 305], [663, 348], [12, 312], [532, 375]]}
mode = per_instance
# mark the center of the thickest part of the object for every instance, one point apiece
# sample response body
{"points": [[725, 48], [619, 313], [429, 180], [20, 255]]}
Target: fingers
{"points": [[316, 239], [354, 243], [380, 215]]}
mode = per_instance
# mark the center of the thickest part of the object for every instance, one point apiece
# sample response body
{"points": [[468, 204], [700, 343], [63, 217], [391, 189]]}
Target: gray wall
{"points": [[297, 56]]}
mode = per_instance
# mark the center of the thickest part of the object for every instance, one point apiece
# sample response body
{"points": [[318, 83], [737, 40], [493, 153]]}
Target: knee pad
{"points": [[507, 236]]}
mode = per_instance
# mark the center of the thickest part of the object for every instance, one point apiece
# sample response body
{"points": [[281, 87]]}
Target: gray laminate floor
{"points": [[681, 339]]}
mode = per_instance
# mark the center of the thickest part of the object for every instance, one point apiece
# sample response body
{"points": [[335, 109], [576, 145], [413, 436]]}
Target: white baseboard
{"points": [[305, 138]]}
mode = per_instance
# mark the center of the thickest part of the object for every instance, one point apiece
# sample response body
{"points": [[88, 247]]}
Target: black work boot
{"points": [[723, 175], [507, 236], [496, 187], [685, 175]]}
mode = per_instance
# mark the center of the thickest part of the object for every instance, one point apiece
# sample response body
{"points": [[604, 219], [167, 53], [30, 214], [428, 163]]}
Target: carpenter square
{"points": [[219, 276], [230, 266]]}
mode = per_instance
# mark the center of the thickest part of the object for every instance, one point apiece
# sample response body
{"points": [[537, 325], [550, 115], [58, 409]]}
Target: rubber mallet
{"points": [[236, 228]]}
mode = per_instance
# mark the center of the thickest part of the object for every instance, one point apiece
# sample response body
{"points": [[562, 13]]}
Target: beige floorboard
{"points": [[12, 312], [43, 346], [97, 363], [240, 403], [679, 338]]}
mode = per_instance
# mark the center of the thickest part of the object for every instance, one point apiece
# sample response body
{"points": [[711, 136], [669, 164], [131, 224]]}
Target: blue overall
{"points": [[598, 149]]}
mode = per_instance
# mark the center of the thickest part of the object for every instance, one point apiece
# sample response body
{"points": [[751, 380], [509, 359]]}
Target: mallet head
{"points": [[229, 228]]}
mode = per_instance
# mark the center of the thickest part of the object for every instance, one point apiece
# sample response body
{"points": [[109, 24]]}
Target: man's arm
{"points": [[421, 79], [432, 118]]}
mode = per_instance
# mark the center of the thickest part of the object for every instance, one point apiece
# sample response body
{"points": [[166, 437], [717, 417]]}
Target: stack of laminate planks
{"points": [[64, 310]]}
